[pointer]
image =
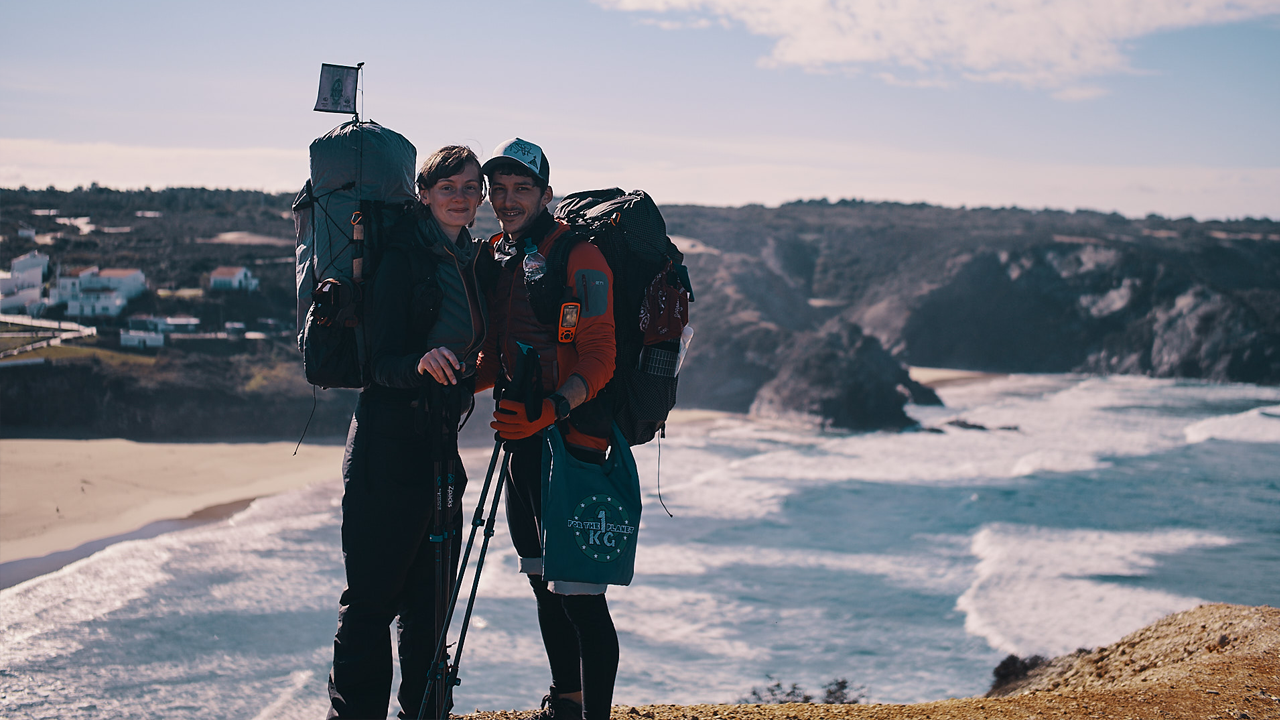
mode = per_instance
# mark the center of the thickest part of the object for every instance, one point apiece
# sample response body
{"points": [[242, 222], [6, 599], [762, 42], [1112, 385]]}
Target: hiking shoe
{"points": [[557, 708]]}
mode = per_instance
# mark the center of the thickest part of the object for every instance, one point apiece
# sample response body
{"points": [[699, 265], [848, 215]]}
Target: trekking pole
{"points": [[440, 667], [525, 385]]}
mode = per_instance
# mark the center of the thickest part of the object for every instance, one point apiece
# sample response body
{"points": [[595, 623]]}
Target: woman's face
{"points": [[453, 200]]}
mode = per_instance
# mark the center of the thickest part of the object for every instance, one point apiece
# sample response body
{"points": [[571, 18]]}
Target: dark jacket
{"points": [[412, 309], [591, 353]]}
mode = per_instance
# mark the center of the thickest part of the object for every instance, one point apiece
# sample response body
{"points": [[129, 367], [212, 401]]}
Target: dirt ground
{"points": [[1213, 662]]}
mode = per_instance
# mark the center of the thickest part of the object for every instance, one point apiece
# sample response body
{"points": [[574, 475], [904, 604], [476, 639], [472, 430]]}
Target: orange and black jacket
{"points": [[512, 319]]}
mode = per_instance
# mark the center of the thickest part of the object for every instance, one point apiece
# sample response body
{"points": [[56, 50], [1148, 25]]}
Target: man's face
{"points": [[517, 201]]}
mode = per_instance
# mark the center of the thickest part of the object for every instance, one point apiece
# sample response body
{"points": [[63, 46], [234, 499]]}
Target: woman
{"points": [[401, 508]]}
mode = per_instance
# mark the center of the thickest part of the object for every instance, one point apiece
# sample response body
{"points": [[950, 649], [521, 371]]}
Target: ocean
{"points": [[1033, 514]]}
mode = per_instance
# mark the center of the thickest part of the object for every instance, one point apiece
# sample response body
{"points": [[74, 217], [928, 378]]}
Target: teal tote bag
{"points": [[590, 514]]}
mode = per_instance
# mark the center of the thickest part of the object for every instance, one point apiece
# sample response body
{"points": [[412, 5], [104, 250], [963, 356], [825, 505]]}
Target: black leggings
{"points": [[582, 646], [577, 631]]}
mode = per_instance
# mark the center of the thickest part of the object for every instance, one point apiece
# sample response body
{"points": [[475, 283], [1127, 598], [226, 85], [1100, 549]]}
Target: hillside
{"points": [[811, 308]]}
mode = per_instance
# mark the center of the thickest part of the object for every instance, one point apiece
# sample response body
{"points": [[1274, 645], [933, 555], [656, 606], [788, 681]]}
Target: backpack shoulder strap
{"points": [[566, 239], [548, 294]]}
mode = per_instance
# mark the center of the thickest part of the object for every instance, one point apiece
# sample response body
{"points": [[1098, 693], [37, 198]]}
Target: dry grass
{"points": [[11, 343], [78, 352], [1211, 663]]}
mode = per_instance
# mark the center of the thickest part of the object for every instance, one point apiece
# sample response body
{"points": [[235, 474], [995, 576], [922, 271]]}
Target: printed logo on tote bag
{"points": [[602, 527]]}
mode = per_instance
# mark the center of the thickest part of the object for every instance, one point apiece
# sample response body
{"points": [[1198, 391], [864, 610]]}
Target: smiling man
{"points": [[561, 305]]}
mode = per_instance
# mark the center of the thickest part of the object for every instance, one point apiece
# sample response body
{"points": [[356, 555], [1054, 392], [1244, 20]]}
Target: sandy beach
{"points": [[942, 377], [56, 495]]}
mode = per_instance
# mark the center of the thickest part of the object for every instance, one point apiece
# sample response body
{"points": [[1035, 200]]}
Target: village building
{"points": [[129, 282], [141, 339], [93, 292], [22, 285], [69, 283], [170, 324], [96, 302], [30, 261], [232, 278], [149, 331]]}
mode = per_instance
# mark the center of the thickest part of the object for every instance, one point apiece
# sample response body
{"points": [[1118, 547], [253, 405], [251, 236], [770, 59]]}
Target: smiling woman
{"points": [[400, 540]]}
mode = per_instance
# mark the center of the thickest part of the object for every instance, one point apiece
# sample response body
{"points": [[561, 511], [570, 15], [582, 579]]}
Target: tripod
{"points": [[437, 699]]}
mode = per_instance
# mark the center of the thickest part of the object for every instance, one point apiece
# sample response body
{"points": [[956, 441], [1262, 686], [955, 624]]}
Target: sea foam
{"points": [[1036, 590], [1259, 425]]}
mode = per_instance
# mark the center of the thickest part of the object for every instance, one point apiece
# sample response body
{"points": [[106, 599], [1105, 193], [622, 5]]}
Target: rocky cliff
{"points": [[1003, 290]]}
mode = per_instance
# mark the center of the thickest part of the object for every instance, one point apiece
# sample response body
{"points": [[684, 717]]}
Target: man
{"points": [[526, 295]]}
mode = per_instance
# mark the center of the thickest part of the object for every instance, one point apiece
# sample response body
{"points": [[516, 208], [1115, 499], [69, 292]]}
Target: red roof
{"points": [[226, 271], [77, 271], [118, 272]]}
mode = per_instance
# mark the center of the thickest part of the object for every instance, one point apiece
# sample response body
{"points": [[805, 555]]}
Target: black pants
{"points": [[577, 630], [394, 568]]}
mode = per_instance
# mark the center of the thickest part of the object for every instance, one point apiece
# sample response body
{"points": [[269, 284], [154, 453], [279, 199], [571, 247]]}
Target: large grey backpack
{"points": [[361, 185]]}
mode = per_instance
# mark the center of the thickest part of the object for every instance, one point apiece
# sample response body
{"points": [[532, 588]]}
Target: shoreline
{"points": [[63, 498], [21, 570], [160, 503]]}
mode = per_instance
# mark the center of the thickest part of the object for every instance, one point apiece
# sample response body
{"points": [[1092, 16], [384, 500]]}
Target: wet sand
{"points": [[57, 495]]}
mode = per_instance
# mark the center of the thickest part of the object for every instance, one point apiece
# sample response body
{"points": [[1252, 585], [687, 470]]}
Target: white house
{"points": [[129, 282], [11, 282], [182, 323], [89, 291], [69, 283], [232, 278], [141, 339], [23, 283], [29, 261], [19, 300], [173, 323], [97, 301]]}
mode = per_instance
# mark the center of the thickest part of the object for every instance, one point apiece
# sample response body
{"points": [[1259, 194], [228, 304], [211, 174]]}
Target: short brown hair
{"points": [[446, 162]]}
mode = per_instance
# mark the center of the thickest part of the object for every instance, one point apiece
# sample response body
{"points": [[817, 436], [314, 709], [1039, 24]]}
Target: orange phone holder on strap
{"points": [[568, 321]]}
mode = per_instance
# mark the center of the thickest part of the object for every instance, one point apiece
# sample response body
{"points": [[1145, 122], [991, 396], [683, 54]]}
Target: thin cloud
{"points": [[40, 163], [1049, 44], [1080, 92]]}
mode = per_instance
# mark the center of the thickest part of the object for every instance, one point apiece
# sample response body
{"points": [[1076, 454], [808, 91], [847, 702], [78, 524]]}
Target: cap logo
{"points": [[525, 152]]}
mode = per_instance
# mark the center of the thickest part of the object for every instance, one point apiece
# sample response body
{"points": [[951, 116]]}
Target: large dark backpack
{"points": [[632, 236], [361, 186]]}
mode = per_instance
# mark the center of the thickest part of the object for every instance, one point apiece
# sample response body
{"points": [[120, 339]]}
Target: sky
{"points": [[1135, 106]]}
